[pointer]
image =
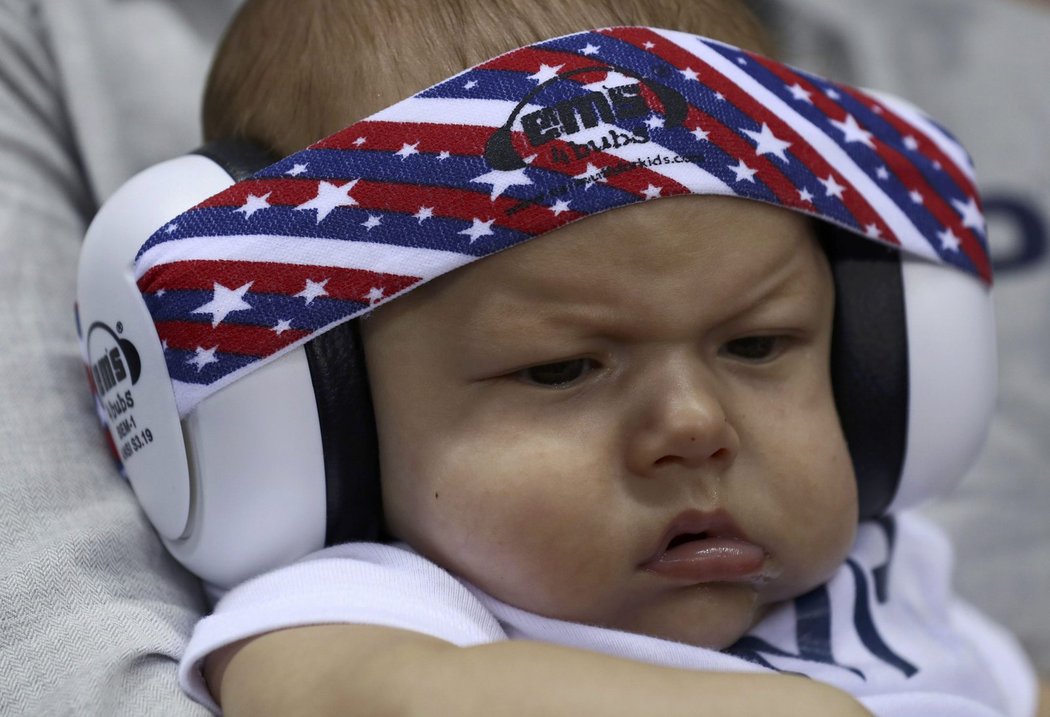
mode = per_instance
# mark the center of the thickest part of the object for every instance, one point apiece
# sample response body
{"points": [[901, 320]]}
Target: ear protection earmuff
{"points": [[341, 397], [283, 460], [260, 474]]}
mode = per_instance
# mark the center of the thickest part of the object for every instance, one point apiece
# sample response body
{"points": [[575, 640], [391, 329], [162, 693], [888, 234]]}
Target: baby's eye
{"points": [[557, 374], [754, 348]]}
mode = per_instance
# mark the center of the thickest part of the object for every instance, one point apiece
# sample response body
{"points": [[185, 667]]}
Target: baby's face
{"points": [[627, 423]]}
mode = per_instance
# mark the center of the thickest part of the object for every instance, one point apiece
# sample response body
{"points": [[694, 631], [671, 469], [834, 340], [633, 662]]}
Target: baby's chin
{"points": [[712, 616]]}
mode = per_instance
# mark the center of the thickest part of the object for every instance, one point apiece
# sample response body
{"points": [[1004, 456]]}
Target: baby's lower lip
{"points": [[709, 560]]}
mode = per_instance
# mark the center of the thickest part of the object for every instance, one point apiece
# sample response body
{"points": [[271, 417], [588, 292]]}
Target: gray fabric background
{"points": [[93, 614]]}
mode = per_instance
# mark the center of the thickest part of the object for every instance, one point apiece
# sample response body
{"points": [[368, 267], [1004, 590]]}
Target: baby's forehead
{"points": [[658, 236], [632, 261]]}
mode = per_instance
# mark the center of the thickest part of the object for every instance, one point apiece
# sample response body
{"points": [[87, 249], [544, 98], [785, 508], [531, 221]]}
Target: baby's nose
{"points": [[682, 421]]}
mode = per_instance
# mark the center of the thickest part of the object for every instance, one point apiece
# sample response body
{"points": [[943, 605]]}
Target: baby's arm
{"points": [[325, 669]]}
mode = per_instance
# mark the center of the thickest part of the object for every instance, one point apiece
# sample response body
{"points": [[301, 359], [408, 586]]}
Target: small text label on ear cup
{"points": [[124, 356], [115, 369]]}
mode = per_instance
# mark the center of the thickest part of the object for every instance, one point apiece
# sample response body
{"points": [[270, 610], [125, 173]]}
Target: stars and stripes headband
{"points": [[523, 144]]}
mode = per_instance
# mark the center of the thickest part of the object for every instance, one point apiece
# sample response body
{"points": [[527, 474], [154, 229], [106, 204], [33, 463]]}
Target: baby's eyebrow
{"points": [[521, 325], [532, 320]]}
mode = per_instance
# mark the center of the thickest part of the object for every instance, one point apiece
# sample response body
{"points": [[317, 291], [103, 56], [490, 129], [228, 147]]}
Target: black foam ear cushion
{"points": [[239, 157], [869, 364], [348, 434]]}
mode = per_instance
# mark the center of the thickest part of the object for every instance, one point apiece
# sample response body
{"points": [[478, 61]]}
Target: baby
{"points": [[615, 472]]}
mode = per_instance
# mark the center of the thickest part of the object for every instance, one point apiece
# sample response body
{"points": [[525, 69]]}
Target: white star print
{"points": [[590, 49], [478, 229], [767, 143], [720, 97], [202, 358], [701, 135], [407, 150], [312, 290], [359, 141], [833, 188], [253, 204], [970, 213], [805, 195], [648, 45], [170, 228], [690, 74], [589, 176], [424, 213], [854, 132], [372, 222], [282, 326], [832, 94], [329, 196], [882, 172], [375, 294], [161, 292], [470, 84], [559, 206], [651, 192], [949, 242], [743, 172], [911, 143], [502, 179], [297, 169], [873, 231], [654, 122], [611, 79], [741, 61], [546, 72], [800, 93], [444, 154], [916, 196], [224, 302]]}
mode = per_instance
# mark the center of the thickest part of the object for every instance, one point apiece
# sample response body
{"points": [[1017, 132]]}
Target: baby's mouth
{"points": [[706, 547], [686, 538]]}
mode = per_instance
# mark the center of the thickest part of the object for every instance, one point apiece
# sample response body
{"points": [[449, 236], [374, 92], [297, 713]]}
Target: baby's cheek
{"points": [[500, 498], [827, 529], [813, 501], [547, 524]]}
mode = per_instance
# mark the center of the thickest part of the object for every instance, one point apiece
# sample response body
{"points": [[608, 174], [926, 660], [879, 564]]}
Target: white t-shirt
{"points": [[885, 628]]}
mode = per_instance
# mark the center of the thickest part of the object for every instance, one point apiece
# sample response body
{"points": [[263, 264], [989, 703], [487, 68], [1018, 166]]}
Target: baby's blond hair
{"points": [[289, 73]]}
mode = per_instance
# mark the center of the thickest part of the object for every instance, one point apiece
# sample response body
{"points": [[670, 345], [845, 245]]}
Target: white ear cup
{"points": [[952, 377], [118, 334], [258, 475], [239, 486]]}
